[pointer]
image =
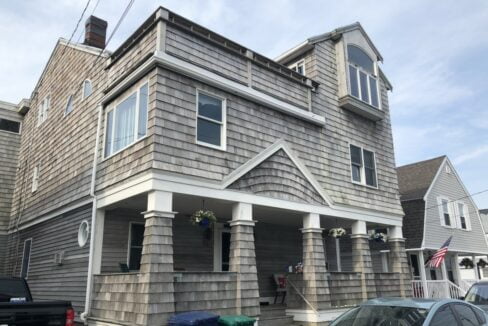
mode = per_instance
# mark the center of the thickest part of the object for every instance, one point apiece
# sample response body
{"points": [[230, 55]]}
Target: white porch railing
{"points": [[436, 289]]}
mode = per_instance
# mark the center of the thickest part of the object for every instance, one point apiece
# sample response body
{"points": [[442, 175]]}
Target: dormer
{"points": [[358, 73]]}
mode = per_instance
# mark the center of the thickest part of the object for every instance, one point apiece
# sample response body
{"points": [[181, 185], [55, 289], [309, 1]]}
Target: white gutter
{"points": [[89, 281]]}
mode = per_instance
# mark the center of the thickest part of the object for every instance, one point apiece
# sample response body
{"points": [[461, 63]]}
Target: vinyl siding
{"points": [[47, 280], [448, 185]]}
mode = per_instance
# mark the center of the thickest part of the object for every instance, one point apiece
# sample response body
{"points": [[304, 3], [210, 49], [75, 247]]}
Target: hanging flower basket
{"points": [[379, 237], [203, 218], [482, 263], [467, 263], [337, 232]]}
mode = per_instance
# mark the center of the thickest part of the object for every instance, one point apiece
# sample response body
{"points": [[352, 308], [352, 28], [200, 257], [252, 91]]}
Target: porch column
{"points": [[476, 270], [155, 287], [399, 259], [242, 259], [423, 277], [361, 259], [457, 272], [316, 285]]}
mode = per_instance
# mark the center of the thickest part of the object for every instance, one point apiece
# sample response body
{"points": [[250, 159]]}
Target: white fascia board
{"points": [[258, 159], [249, 93], [293, 51]]}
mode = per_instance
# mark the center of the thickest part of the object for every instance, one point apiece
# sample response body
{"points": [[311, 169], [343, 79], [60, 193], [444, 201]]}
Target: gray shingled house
{"points": [[120, 149], [437, 206]]}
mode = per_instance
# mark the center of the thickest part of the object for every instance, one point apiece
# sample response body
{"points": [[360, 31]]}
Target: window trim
{"points": [[11, 132], [223, 123], [363, 168], [130, 240], [295, 65], [113, 106], [35, 178], [72, 96], [450, 210], [40, 107], [28, 262], [359, 69], [467, 220], [83, 96]]}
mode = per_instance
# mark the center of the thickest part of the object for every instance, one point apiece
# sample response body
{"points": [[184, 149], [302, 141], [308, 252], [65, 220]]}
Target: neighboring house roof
{"points": [[415, 179], [484, 211]]}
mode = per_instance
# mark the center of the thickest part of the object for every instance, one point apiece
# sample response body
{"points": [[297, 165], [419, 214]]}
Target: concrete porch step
{"points": [[276, 321], [273, 310]]}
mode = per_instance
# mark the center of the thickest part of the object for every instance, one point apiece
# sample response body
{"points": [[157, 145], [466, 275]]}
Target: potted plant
{"points": [[482, 263], [204, 218], [466, 263], [337, 232], [379, 237]]}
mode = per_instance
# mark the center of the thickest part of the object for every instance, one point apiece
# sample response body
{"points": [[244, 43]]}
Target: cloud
{"points": [[472, 154]]}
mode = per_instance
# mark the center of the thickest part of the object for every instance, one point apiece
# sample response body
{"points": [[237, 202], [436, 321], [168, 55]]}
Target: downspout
{"points": [[89, 281]]}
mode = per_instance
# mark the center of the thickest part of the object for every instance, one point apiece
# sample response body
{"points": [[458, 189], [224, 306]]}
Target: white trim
{"points": [[129, 240], [217, 248], [83, 96], [225, 84], [316, 317], [294, 67], [223, 123], [113, 108], [363, 168], [72, 97], [35, 178], [82, 242], [258, 159], [338, 255], [291, 51], [45, 216], [163, 181], [450, 211], [28, 262]]}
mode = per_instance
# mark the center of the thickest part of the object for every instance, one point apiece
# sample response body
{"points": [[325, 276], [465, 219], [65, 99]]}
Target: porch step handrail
{"points": [[436, 289], [301, 295]]}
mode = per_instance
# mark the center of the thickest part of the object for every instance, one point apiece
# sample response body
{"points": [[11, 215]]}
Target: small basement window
{"points": [[9, 125], [127, 121], [363, 166], [211, 120]]}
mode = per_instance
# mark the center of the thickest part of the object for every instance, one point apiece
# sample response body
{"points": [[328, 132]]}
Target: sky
{"points": [[435, 55]]}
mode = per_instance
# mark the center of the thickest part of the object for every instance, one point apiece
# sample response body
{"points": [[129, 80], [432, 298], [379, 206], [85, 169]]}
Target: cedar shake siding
{"points": [[47, 279], [413, 223]]}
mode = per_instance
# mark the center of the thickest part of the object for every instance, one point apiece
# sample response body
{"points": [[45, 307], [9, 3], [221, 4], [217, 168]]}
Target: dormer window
{"points": [[362, 76], [298, 67]]}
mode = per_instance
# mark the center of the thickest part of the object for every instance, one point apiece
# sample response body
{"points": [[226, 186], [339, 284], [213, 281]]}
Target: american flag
{"points": [[436, 259]]}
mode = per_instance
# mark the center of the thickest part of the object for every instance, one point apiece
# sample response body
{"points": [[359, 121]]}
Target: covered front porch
{"points": [[450, 280], [153, 262]]}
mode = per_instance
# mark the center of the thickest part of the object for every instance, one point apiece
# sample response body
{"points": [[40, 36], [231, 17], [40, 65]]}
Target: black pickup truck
{"points": [[18, 309]]}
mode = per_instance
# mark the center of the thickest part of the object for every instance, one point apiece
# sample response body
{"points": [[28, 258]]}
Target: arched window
{"points": [[87, 88], [362, 76], [69, 105]]}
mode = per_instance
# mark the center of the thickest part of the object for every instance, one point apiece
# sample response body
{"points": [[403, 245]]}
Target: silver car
{"points": [[413, 312]]}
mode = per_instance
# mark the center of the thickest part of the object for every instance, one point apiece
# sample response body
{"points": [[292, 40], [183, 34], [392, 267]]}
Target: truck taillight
{"points": [[70, 317]]}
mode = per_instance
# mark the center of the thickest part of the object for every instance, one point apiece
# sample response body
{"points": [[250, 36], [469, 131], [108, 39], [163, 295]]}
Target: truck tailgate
{"points": [[48, 313]]}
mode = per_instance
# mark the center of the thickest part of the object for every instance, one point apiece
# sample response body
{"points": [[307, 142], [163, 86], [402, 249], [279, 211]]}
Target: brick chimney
{"points": [[95, 32]]}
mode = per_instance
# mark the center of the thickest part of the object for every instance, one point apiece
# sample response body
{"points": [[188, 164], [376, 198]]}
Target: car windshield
{"points": [[382, 316], [478, 294]]}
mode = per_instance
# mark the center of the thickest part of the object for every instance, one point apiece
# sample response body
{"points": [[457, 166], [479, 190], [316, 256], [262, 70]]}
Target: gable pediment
{"points": [[278, 173]]}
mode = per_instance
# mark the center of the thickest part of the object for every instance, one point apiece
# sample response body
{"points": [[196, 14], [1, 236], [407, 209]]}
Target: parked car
{"points": [[478, 295], [18, 309], [413, 312]]}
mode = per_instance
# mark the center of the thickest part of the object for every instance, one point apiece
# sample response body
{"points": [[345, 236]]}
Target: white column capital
{"points": [[311, 221], [395, 233], [359, 228], [160, 201], [242, 212]]}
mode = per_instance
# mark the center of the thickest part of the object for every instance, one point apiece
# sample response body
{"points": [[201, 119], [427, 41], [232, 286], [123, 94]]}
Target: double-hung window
{"points": [[127, 121], [445, 211], [298, 67], [43, 110], [211, 119], [363, 166], [363, 81], [463, 218]]}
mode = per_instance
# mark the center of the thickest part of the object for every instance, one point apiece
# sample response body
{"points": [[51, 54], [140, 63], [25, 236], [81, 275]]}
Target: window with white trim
{"points": [[136, 238], [43, 109], [126, 122], [211, 120], [9, 125], [69, 105], [87, 88], [463, 217], [445, 211], [363, 166], [363, 80], [298, 66], [35, 178], [24, 270]]}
